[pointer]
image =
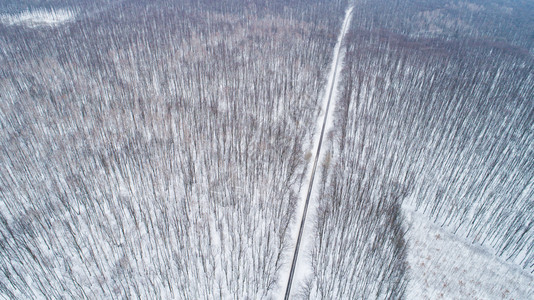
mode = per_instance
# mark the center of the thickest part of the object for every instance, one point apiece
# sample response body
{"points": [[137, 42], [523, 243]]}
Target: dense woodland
{"points": [[156, 149]]}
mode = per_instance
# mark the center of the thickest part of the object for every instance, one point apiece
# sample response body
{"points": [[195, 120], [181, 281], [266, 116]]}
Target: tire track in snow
{"points": [[331, 87]]}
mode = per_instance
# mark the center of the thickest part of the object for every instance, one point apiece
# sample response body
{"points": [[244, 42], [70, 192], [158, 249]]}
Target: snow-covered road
{"points": [[324, 124]]}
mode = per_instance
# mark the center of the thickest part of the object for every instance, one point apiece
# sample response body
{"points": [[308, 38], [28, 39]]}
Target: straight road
{"points": [[333, 82]]}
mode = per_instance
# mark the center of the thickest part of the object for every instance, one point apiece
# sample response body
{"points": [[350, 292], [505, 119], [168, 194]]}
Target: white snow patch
{"points": [[445, 266], [39, 18]]}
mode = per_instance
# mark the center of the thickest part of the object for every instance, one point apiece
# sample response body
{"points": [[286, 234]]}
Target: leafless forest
{"points": [[156, 149], [441, 125], [420, 124]]}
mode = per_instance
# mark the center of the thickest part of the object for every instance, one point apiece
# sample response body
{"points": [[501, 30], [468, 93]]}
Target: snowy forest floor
{"points": [[444, 266]]}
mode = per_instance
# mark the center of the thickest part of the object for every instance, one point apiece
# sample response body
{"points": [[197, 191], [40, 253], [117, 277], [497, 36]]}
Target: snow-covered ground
{"points": [[41, 17], [444, 266]]}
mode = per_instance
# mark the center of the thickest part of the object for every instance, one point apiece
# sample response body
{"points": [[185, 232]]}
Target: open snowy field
{"points": [[41, 17], [444, 266]]}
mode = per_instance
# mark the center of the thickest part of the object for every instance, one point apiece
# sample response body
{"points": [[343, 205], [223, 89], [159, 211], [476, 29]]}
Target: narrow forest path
{"points": [[324, 124]]}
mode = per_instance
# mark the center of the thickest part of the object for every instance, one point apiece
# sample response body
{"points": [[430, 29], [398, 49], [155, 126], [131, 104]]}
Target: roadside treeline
{"points": [[154, 151], [359, 250]]}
